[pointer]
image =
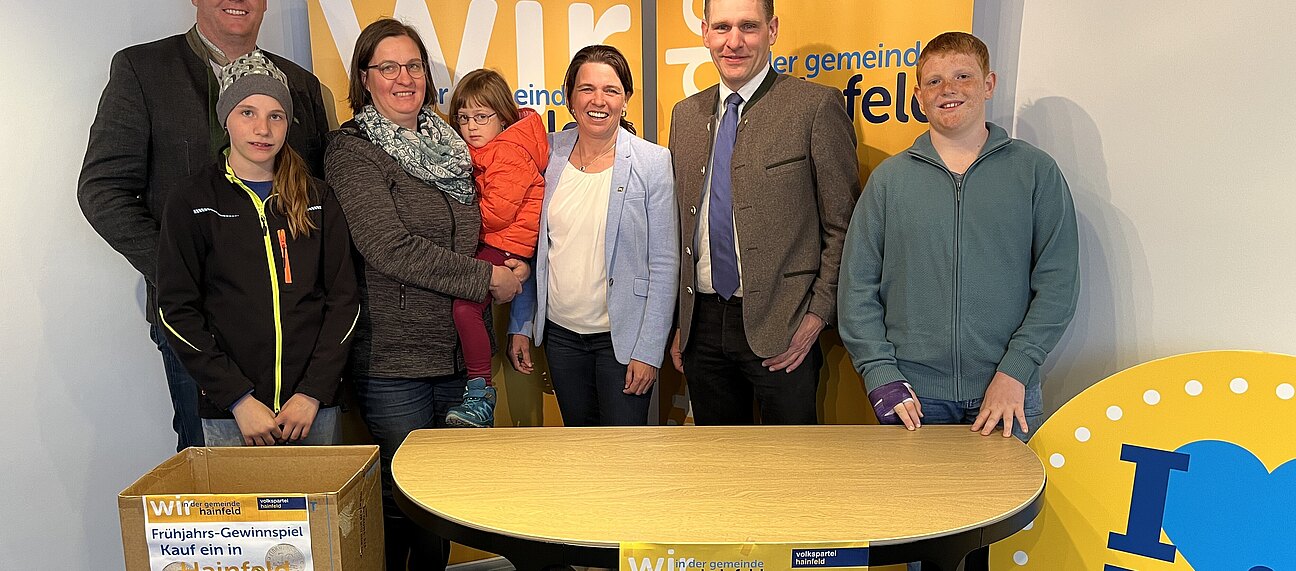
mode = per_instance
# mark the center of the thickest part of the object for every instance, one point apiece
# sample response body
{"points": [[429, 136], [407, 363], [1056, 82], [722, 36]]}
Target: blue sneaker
{"points": [[478, 408]]}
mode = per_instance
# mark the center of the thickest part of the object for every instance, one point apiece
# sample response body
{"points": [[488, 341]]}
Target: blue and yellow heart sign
{"points": [[1180, 463]]}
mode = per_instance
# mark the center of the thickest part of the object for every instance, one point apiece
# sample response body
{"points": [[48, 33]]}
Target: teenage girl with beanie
{"points": [[256, 285]]}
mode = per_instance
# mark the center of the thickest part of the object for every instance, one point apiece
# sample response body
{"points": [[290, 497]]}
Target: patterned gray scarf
{"points": [[434, 154]]}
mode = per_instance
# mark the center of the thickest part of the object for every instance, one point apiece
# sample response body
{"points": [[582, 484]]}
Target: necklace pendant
{"points": [[582, 169]]}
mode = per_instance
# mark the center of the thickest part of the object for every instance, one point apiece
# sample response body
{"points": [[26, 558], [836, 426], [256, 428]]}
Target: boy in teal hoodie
{"points": [[959, 272]]}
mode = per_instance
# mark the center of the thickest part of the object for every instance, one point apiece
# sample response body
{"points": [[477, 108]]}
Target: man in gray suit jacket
{"points": [[156, 126], [766, 178]]}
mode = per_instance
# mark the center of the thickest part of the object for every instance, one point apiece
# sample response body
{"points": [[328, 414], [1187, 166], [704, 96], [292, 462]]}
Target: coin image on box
{"points": [[177, 566], [285, 557]]}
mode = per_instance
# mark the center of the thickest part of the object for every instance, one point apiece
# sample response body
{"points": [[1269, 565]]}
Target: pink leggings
{"points": [[469, 319]]}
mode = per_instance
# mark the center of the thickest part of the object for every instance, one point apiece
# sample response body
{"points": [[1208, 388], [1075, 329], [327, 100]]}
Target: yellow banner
{"points": [[743, 556], [529, 42], [865, 48]]}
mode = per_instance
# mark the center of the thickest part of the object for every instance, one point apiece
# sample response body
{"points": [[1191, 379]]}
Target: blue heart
{"points": [[1229, 513]]}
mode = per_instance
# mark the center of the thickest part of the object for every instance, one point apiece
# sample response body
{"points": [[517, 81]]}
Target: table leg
{"points": [[977, 560], [941, 564]]}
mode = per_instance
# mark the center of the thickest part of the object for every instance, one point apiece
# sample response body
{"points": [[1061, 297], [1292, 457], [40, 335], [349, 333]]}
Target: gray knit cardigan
{"points": [[417, 246]]}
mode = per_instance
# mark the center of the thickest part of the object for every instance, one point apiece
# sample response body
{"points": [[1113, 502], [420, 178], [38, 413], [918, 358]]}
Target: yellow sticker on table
{"points": [[1180, 463], [221, 532], [743, 556]]}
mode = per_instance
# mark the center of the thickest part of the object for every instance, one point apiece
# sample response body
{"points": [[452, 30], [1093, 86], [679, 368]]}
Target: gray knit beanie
{"points": [[251, 74]]}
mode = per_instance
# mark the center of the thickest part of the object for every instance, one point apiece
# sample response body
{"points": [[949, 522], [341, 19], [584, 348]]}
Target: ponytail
{"points": [[292, 184]]}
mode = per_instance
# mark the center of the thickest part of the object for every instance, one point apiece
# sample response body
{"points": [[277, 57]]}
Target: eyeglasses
{"points": [[391, 69], [480, 119]]}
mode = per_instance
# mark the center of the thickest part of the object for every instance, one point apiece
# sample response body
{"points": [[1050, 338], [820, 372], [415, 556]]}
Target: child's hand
{"points": [[1005, 400], [297, 416], [520, 269], [504, 284], [896, 403], [256, 421]]}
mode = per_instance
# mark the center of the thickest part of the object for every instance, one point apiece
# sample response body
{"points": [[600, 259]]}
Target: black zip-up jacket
{"points": [[247, 306]]}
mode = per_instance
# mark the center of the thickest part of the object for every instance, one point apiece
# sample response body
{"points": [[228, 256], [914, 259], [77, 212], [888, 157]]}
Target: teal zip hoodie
{"points": [[943, 284]]}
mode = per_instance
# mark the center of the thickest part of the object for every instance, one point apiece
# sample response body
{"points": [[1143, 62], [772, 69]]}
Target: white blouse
{"points": [[577, 269]]}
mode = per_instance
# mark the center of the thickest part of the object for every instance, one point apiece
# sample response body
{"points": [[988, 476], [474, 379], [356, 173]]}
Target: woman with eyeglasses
{"points": [[603, 296], [404, 179]]}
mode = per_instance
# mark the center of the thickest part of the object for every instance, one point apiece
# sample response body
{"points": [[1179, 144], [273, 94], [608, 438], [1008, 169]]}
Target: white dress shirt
{"points": [[703, 272]]}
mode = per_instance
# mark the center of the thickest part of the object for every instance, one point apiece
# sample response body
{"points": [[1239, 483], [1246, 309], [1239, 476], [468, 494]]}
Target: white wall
{"points": [[86, 408], [1170, 121]]}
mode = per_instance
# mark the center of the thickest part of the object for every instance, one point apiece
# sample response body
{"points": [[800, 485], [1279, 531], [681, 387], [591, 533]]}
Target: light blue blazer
{"points": [[641, 250]]}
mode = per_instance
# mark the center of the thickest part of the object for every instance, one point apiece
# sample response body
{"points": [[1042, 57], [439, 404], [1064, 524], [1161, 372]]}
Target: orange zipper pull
{"points": [[283, 251]]}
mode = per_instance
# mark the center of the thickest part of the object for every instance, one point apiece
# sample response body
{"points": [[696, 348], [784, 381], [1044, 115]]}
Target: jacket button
{"points": [[688, 251], [693, 210], [688, 290], [610, 280]]}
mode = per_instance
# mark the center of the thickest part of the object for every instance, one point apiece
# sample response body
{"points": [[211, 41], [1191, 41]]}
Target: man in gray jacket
{"points": [[156, 126], [959, 269]]}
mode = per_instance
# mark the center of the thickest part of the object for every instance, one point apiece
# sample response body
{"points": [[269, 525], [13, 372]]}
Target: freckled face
{"points": [[952, 91]]}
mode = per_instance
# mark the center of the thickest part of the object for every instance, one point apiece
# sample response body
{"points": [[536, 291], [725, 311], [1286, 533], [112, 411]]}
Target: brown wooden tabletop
{"points": [[598, 487]]}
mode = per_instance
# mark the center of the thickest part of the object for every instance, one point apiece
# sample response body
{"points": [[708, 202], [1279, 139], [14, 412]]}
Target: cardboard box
{"points": [[249, 508]]}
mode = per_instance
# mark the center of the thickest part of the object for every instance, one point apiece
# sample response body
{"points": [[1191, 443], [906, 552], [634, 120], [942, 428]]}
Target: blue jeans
{"points": [[225, 431], [588, 380], [184, 394], [937, 411], [392, 408]]}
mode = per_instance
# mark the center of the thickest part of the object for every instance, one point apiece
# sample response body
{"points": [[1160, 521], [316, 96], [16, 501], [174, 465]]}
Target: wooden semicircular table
{"points": [[551, 496]]}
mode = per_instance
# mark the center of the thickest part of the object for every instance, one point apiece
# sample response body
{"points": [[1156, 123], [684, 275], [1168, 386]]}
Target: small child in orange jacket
{"points": [[510, 151]]}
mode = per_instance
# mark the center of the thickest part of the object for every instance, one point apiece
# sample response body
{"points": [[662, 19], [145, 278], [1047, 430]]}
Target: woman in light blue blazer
{"points": [[601, 299]]}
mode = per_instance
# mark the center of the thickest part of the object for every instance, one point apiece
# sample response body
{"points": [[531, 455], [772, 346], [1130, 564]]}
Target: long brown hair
{"points": [[292, 185], [600, 53]]}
